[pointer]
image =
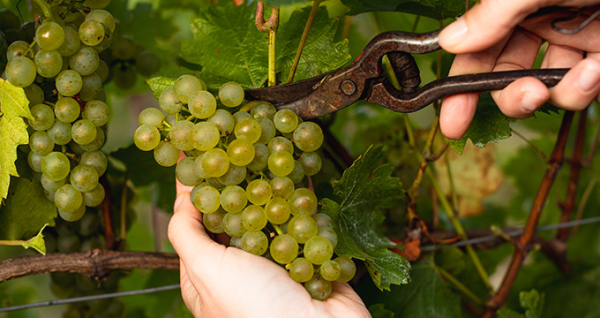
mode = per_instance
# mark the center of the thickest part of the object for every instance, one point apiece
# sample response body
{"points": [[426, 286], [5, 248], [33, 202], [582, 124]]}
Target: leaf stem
{"points": [[45, 9], [529, 143], [460, 286], [271, 27], [311, 18], [124, 207]]}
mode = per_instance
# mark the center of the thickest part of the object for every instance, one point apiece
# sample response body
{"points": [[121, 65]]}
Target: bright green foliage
{"points": [[437, 9], [532, 302], [159, 84], [364, 190]]}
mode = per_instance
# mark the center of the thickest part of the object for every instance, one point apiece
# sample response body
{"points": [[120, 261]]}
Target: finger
{"points": [[579, 86], [457, 113]]}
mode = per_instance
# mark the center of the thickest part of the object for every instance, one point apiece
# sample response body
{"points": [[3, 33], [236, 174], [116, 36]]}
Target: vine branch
{"points": [[269, 26]]}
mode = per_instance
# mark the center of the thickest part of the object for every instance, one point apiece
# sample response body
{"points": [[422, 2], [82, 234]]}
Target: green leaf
{"points": [[533, 302], [436, 9], [36, 242], [508, 313], [159, 84], [379, 311], [364, 190]]}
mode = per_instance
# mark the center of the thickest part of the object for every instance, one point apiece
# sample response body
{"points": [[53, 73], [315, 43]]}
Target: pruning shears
{"points": [[364, 79]]}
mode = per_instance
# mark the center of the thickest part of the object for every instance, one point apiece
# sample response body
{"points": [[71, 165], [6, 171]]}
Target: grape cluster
{"points": [[246, 163]]}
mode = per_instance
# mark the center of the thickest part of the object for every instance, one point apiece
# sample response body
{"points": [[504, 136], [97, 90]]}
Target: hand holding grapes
{"points": [[220, 281], [494, 36]]}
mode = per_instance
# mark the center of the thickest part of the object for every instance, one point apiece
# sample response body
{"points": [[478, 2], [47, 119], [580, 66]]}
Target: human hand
{"points": [[220, 281], [493, 36]]}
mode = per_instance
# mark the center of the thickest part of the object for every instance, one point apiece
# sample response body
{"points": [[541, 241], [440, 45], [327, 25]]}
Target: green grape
{"points": [[179, 135], [254, 218], [67, 109], [348, 269], [285, 121], [168, 101], [318, 249], [17, 49], [97, 143], [97, 4], [71, 44], [20, 71], [68, 199], [40, 143], [95, 197], [231, 94], [43, 117], [184, 171], [123, 48], [35, 161], [330, 270], [232, 225], [95, 159], [280, 144], [124, 76], [282, 187], [171, 119], [49, 195], [303, 202], [329, 234], [236, 242], [239, 115], [98, 113], [198, 167], [166, 154], [284, 249], [102, 16], [223, 120], [214, 182], [195, 190], [323, 220], [311, 163], [267, 129], [240, 152], [60, 133], [302, 228], [85, 61], [91, 87], [281, 163], [84, 178], [255, 242], [146, 137], [261, 158], [150, 116], [259, 192], [249, 129], [301, 270], [278, 210], [74, 216], [91, 32], [102, 71], [215, 163], [213, 222], [207, 199], [50, 36], [233, 199], [234, 175], [205, 136], [202, 104], [318, 288], [50, 185], [68, 83], [297, 173], [185, 86], [83, 131], [35, 95], [48, 63], [308, 137], [263, 109], [147, 63]]}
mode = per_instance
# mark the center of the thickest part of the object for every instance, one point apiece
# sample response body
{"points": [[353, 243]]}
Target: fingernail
{"points": [[454, 33], [179, 201], [589, 78], [530, 102]]}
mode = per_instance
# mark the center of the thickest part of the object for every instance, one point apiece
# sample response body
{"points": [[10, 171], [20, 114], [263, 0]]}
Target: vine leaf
{"points": [[159, 84], [37, 242], [436, 9], [364, 190]]}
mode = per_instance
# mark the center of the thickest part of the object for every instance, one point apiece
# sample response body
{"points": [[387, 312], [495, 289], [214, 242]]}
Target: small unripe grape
{"points": [[50, 36], [231, 94], [146, 137], [255, 242]]}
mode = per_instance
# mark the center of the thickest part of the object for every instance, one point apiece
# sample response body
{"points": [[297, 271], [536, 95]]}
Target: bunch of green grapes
{"points": [[246, 163], [127, 59]]}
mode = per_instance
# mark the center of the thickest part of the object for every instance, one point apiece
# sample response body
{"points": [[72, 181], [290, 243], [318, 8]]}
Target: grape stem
{"points": [[311, 18], [278, 229], [269, 26], [45, 9]]}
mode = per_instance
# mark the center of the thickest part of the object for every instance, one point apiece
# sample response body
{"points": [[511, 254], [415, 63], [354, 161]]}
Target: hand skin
{"points": [[220, 281], [493, 36]]}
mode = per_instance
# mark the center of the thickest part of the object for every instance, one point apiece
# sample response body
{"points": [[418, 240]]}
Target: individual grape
{"points": [[214, 182], [91, 87], [102, 16], [348, 269], [282, 187], [195, 190], [213, 222], [20, 71], [149, 116], [98, 113], [168, 101], [303, 202], [198, 167], [240, 152], [166, 154], [48, 63], [71, 44], [207, 199], [263, 109], [124, 76], [49, 195], [95, 159], [146, 137], [285, 121], [102, 71], [234, 175], [84, 178], [233, 199], [329, 234], [97, 143], [280, 144], [123, 48], [267, 129], [236, 242], [91, 32], [254, 218], [50, 36], [318, 288], [72, 217], [311, 162], [83, 131], [68, 83], [147, 63], [97, 4], [43, 117], [231, 94], [68, 199], [297, 173], [17, 49], [40, 143], [281, 163], [239, 115], [67, 109], [308, 137], [205, 136], [278, 210], [232, 225], [215, 162], [301, 270], [171, 119], [85, 61], [255, 242], [223, 120], [35, 95], [184, 171], [330, 270], [35, 161], [259, 192], [323, 220], [249, 129], [261, 158], [202, 104], [318, 249], [186, 85], [284, 249], [60, 133], [302, 228], [180, 133], [50, 185], [95, 197]]}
